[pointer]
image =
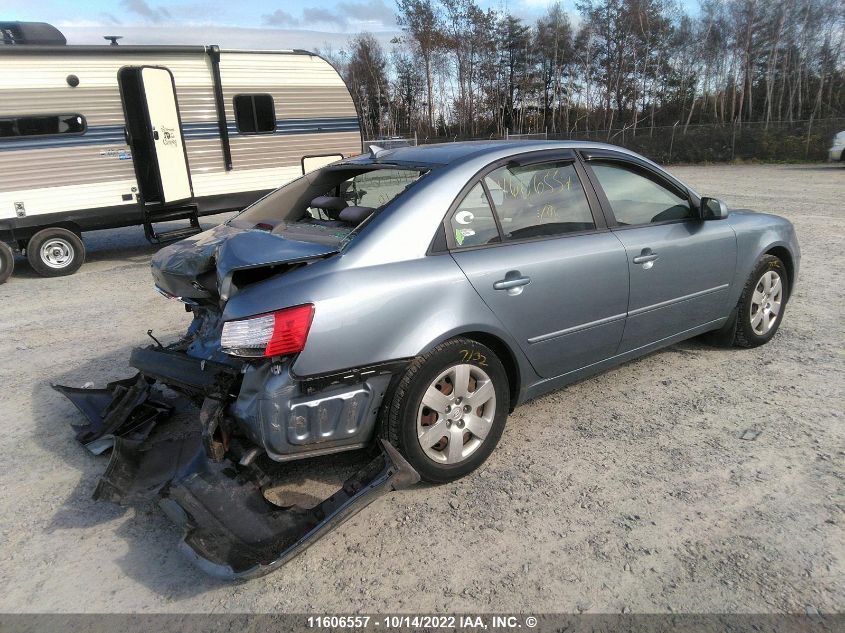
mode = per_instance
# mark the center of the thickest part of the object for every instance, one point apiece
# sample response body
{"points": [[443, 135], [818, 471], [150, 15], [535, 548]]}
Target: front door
{"points": [[556, 280], [154, 132], [680, 266]]}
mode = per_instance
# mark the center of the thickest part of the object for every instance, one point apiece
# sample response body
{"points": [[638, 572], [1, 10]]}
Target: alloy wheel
{"points": [[766, 302], [456, 414]]}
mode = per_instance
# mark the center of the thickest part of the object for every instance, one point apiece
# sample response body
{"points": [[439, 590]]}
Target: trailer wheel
{"points": [[55, 252], [7, 262]]}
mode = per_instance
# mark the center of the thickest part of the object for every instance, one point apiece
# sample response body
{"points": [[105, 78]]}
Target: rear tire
{"points": [[467, 387], [7, 262], [54, 252]]}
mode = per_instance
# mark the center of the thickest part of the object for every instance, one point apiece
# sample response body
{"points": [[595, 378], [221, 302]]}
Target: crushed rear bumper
{"points": [[124, 408], [231, 529]]}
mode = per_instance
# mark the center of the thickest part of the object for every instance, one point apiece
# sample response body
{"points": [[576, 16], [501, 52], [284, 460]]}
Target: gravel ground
{"points": [[630, 491]]}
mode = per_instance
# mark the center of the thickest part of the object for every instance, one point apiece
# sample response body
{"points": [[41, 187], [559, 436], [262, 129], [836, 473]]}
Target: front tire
{"points": [[54, 252], [762, 303], [449, 409]]}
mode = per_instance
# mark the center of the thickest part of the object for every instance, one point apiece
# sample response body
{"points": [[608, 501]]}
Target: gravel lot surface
{"points": [[630, 491]]}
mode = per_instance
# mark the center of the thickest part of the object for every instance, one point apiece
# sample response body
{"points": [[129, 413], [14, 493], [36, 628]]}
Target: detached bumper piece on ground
{"points": [[231, 529]]}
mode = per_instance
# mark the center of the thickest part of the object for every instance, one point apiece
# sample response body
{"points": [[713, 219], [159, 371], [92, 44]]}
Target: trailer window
{"points": [[42, 125], [255, 114]]}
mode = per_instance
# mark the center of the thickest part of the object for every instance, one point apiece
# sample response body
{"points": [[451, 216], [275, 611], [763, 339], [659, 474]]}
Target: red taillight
{"points": [[290, 330]]}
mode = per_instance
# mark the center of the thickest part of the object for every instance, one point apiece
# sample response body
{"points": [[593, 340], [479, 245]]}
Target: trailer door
{"points": [[166, 128], [154, 131]]}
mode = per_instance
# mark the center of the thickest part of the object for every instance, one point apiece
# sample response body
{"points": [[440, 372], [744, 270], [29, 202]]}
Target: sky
{"points": [[234, 24]]}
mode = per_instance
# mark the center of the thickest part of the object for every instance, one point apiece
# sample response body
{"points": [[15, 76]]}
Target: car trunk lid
{"points": [[201, 269]]}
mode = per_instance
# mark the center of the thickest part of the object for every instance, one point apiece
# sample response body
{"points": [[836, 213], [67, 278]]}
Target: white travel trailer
{"points": [[95, 137]]}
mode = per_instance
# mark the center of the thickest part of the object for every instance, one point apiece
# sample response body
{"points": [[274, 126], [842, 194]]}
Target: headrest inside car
{"points": [[355, 215], [330, 204]]}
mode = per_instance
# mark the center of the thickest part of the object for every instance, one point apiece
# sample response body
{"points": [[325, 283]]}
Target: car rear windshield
{"points": [[329, 205]]}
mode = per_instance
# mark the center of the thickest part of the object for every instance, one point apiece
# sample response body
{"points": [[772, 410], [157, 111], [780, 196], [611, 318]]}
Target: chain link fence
{"points": [[777, 141]]}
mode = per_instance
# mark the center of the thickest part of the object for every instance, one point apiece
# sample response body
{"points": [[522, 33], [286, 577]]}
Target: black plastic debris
{"points": [[124, 408], [231, 529], [199, 474]]}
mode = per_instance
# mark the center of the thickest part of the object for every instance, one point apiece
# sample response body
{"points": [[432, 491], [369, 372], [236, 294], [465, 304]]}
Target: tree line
{"points": [[632, 65]]}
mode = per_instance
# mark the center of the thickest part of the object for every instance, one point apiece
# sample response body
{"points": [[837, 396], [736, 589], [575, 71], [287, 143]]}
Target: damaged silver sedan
{"points": [[403, 303]]}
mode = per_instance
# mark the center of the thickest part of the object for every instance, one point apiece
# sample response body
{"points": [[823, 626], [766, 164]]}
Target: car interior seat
{"points": [[339, 212]]}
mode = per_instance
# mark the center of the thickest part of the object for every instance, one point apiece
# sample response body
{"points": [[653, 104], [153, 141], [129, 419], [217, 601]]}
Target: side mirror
{"points": [[713, 209]]}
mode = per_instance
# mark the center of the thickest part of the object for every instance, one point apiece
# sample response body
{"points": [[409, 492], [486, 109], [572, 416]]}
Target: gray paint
{"points": [[384, 298], [686, 286], [276, 413], [558, 326], [588, 305]]}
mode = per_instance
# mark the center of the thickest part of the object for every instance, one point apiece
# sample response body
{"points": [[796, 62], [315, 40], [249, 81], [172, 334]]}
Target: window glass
{"points": [[42, 125], [636, 199], [329, 205], [473, 224], [378, 187], [255, 114], [371, 190], [539, 200]]}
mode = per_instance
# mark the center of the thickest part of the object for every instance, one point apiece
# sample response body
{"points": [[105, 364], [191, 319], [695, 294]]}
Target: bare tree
{"points": [[423, 23]]}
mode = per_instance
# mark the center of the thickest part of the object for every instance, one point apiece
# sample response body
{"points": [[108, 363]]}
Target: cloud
{"points": [[321, 16], [225, 36], [369, 11], [360, 14], [111, 19], [140, 7], [280, 18]]}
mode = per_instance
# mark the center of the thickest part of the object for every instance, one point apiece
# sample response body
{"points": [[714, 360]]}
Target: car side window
{"points": [[539, 200], [472, 223], [636, 199]]}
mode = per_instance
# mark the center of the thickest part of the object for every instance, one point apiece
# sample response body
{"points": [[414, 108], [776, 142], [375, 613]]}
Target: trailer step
{"points": [[188, 212]]}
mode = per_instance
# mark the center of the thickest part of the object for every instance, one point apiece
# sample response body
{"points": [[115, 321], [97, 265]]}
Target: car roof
{"points": [[446, 153], [439, 155]]}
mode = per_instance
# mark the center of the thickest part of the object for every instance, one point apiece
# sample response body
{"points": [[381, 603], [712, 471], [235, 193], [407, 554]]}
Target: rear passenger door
{"points": [[680, 266], [533, 243]]}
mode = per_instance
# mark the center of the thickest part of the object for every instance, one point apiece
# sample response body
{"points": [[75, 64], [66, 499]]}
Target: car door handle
{"points": [[646, 256], [511, 281]]}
